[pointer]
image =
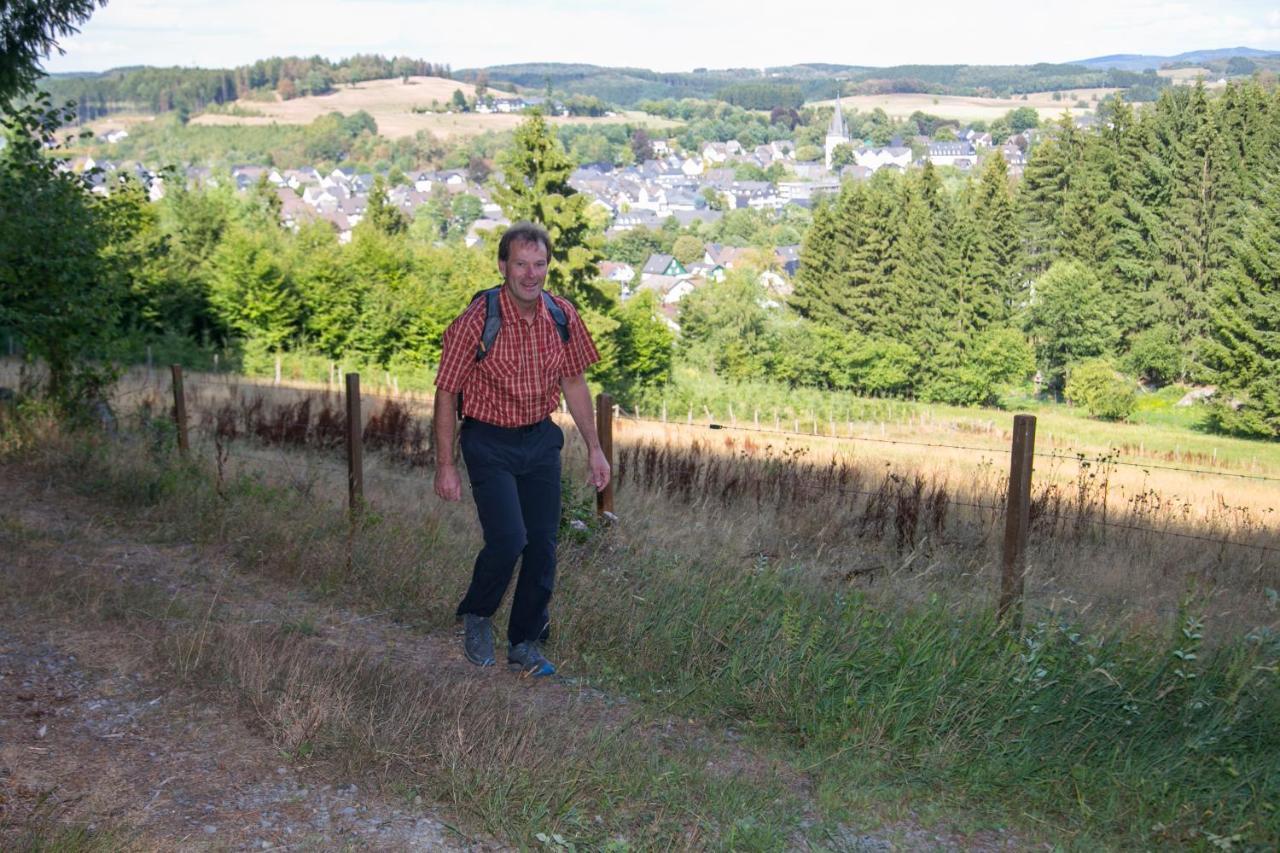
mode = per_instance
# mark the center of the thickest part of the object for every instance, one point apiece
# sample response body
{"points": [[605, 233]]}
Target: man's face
{"points": [[524, 271]]}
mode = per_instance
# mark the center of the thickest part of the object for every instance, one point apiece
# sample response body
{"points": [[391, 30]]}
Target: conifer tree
{"points": [[1188, 257], [844, 269], [813, 297], [995, 271], [919, 280], [1041, 195], [1244, 350], [381, 214], [1131, 215], [536, 188]]}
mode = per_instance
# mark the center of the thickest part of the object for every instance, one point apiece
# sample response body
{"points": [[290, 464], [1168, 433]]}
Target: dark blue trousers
{"points": [[515, 480]]}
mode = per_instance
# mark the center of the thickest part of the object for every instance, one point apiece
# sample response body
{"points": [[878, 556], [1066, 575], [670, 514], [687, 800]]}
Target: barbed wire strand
{"points": [[1000, 451], [379, 394], [815, 487]]}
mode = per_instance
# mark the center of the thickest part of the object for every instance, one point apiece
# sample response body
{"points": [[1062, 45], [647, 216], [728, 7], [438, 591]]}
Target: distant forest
{"points": [[192, 90], [162, 90], [785, 86]]}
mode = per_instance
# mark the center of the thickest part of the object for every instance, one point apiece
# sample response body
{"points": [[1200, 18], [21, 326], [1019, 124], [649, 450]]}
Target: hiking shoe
{"points": [[477, 639], [527, 658]]}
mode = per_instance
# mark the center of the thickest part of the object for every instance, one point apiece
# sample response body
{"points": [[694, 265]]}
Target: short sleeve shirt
{"points": [[518, 382]]}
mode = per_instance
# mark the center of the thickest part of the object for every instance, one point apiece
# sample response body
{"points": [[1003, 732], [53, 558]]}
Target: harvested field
{"points": [[963, 108], [392, 103]]}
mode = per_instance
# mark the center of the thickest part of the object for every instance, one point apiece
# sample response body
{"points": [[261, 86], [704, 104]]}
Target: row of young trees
{"points": [[1151, 242]]}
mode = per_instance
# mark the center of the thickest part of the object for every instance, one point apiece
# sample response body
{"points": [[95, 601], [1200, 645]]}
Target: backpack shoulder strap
{"points": [[492, 320], [558, 315]]}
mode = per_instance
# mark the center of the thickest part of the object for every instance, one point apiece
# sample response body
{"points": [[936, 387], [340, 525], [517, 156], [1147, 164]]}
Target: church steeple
{"points": [[836, 130], [836, 133]]}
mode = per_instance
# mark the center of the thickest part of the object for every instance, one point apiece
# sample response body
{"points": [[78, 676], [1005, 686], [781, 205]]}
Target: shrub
{"points": [[1154, 355], [1100, 388]]}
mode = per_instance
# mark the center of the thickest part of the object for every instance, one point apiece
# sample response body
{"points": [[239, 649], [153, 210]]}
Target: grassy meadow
{"points": [[826, 601]]}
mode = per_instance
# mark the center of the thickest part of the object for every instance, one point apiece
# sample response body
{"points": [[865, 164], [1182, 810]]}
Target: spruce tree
{"points": [[1041, 195], [1139, 184], [995, 271], [536, 188], [918, 284], [381, 214], [1185, 133], [1243, 353]]}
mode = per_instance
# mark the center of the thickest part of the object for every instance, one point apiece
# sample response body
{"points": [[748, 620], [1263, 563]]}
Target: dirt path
{"points": [[96, 736], [99, 740], [95, 739]]}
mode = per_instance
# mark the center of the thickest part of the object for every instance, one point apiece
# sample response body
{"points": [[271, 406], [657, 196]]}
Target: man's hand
{"points": [[449, 486], [599, 476]]}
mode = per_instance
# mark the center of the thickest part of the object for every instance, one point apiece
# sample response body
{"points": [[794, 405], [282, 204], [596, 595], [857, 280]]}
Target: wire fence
{"points": [[228, 411], [851, 436]]}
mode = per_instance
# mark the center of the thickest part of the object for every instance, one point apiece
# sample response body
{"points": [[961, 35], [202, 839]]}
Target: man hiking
{"points": [[509, 356]]}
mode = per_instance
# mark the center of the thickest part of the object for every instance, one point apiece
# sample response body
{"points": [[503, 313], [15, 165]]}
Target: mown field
{"points": [[965, 108], [392, 104]]}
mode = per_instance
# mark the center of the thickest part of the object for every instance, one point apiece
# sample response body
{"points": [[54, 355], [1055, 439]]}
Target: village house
{"points": [[876, 159], [961, 155], [662, 265]]}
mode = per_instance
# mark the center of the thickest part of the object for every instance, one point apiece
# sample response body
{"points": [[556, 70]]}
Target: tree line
{"points": [[751, 87], [1150, 244], [192, 90], [207, 269]]}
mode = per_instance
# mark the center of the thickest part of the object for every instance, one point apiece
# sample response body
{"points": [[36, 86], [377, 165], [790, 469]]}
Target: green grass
{"points": [[1099, 739]]}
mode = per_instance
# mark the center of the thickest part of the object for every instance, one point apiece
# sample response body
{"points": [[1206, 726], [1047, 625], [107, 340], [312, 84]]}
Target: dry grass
{"points": [[969, 108], [721, 593], [392, 103], [506, 755], [1189, 76], [897, 520], [1118, 543]]}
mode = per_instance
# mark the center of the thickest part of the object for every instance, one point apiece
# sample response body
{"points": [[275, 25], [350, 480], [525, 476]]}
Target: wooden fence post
{"points": [[604, 431], [179, 408], [1017, 520], [355, 445]]}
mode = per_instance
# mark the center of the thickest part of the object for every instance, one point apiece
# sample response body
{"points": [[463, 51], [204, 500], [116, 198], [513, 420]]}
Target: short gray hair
{"points": [[523, 232]]}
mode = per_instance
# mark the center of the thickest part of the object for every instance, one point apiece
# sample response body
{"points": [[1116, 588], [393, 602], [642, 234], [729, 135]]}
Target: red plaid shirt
{"points": [[518, 382]]}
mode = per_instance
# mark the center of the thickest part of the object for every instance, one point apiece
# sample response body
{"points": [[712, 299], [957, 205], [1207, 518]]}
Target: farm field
{"points": [[1188, 76], [116, 121], [964, 108], [391, 103]]}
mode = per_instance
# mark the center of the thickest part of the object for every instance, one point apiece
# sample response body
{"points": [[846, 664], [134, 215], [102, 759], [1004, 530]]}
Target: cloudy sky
{"points": [[666, 35]]}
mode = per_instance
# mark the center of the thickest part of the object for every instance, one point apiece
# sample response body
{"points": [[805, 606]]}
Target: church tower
{"points": [[836, 133]]}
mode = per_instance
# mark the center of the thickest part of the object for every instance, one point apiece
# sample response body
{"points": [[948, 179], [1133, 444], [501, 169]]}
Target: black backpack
{"points": [[493, 319], [493, 323]]}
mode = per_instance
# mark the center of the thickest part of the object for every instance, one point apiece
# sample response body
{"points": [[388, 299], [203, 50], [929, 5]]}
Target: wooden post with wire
{"points": [[604, 431], [355, 445], [1017, 521], [179, 408]]}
